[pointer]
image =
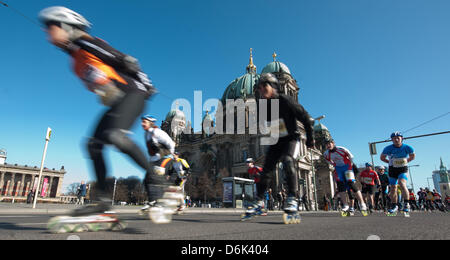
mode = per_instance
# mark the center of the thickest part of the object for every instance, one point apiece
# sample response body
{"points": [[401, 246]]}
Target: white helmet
{"points": [[63, 15]]}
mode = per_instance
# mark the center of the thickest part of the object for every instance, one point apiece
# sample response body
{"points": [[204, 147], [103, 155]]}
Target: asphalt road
{"points": [[227, 226]]}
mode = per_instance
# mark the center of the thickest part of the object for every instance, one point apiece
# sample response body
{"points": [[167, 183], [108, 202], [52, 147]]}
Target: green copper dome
{"points": [[275, 67], [242, 87]]}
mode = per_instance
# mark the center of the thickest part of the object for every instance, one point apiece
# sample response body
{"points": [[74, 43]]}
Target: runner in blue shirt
{"points": [[398, 155]]}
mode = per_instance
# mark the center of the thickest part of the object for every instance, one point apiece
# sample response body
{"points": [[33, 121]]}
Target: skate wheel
{"points": [[345, 214], [365, 213], [55, 226], [245, 217], [286, 219], [80, 228], [159, 217], [292, 218], [119, 226]]}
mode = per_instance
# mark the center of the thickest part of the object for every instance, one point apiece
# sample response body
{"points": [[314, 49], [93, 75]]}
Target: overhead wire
{"points": [[426, 122]]}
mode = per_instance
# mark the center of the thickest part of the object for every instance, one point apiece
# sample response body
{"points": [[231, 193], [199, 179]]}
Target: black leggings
{"points": [[112, 129], [284, 151]]}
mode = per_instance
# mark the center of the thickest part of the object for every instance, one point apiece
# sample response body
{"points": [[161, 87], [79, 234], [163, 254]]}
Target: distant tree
{"points": [[205, 189], [72, 189], [121, 192]]}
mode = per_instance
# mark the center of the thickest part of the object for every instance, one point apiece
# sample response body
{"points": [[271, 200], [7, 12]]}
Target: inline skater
{"points": [[161, 149], [182, 170], [422, 195], [344, 175], [286, 148], [116, 78], [412, 200], [255, 173], [398, 155], [384, 183], [369, 180]]}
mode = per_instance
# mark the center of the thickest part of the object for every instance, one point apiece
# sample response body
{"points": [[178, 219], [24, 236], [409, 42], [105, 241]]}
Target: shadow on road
{"points": [[11, 226]]}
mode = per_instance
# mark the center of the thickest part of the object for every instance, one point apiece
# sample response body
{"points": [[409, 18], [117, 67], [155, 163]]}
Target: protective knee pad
{"points": [[353, 186]]}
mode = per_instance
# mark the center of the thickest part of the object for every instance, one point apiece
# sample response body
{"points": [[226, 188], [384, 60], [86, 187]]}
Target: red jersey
{"points": [[368, 177], [254, 173]]}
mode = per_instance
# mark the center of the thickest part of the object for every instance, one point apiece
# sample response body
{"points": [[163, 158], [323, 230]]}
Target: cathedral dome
{"points": [[276, 67], [242, 87]]}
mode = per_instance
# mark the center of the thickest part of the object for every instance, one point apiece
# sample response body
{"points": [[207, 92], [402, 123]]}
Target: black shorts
{"points": [[395, 172], [346, 186], [370, 189]]}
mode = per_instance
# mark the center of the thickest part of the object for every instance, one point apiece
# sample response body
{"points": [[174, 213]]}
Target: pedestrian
{"points": [[81, 193], [271, 200], [286, 148], [30, 197], [118, 81], [305, 202], [398, 155]]}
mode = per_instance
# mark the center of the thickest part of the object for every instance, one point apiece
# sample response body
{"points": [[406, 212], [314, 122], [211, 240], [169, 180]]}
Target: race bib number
{"points": [[367, 180], [399, 162], [349, 175]]}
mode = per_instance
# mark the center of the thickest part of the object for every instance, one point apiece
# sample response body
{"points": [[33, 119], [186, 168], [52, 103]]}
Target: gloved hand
{"points": [[109, 93]]}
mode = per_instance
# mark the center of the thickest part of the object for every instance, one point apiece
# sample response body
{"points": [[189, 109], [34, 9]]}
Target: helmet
{"points": [[249, 160], [397, 133], [368, 165], [64, 15], [149, 118], [268, 78]]}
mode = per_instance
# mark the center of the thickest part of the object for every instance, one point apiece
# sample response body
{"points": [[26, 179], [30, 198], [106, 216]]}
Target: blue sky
{"points": [[372, 67]]}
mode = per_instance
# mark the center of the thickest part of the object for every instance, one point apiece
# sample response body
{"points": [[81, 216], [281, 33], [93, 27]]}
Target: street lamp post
{"points": [[410, 173], [312, 167], [47, 139]]}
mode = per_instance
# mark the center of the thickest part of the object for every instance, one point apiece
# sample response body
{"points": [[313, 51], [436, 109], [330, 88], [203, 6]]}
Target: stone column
{"points": [[21, 188], [60, 183], [13, 181], [2, 182], [50, 187]]}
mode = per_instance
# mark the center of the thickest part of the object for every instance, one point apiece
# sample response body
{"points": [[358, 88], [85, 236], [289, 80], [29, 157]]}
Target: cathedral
{"points": [[224, 155]]}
